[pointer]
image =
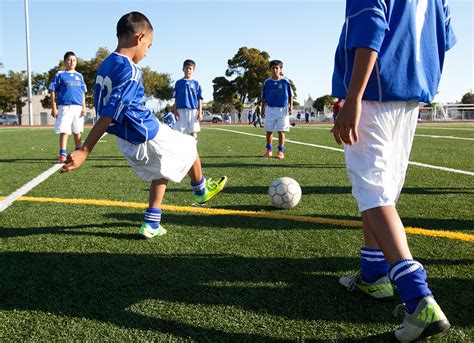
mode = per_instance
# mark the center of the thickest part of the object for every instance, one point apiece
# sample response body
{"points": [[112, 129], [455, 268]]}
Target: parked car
{"points": [[9, 119], [211, 117]]}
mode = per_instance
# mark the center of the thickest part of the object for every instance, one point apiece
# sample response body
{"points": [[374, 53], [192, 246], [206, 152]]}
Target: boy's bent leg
{"points": [[204, 189]]}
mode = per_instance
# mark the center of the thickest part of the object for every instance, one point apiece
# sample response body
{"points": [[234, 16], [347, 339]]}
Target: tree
{"points": [[244, 78], [322, 101], [157, 85], [9, 94], [468, 98]]}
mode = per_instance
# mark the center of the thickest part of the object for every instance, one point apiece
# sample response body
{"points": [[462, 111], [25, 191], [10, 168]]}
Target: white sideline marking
{"points": [[5, 203], [446, 137], [458, 171]]}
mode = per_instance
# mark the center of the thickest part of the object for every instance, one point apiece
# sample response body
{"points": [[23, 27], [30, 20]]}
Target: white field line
{"points": [[446, 137], [5, 203], [458, 171]]}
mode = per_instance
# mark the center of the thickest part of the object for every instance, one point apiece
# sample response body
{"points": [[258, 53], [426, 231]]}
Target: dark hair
{"points": [[67, 54], [189, 63], [276, 63], [132, 23]]}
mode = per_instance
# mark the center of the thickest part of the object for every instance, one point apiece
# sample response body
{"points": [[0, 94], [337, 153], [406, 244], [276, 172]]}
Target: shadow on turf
{"points": [[268, 164], [110, 288]]}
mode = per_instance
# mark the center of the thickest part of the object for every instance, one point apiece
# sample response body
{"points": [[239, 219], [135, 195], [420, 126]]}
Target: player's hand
{"points": [[176, 116], [74, 160], [345, 128], [83, 112], [54, 112], [199, 117]]}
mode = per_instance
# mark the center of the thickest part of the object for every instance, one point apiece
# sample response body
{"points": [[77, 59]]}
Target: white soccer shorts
{"points": [[276, 119], [170, 155], [187, 122], [69, 119], [377, 163]]}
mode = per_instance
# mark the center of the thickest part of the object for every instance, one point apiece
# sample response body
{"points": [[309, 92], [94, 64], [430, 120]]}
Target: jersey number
{"points": [[105, 88]]}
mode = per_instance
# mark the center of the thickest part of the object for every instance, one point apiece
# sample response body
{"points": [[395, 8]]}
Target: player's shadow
{"points": [[269, 163], [126, 290]]}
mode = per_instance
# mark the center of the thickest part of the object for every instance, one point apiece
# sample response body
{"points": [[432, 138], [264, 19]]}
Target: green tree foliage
{"points": [[243, 80], [157, 85], [322, 101], [468, 98], [9, 94]]}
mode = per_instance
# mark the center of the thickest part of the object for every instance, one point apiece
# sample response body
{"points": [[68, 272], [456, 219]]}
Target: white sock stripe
{"points": [[200, 186], [369, 252], [373, 259], [153, 217], [408, 271], [401, 268]]}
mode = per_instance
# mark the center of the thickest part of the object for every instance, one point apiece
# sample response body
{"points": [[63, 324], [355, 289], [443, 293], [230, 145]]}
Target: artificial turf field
{"points": [[72, 269]]}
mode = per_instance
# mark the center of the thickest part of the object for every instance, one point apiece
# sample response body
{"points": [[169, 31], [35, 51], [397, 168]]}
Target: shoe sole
{"points": [[434, 329]]}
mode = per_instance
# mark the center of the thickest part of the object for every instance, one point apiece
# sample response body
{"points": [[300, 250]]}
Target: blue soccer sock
{"points": [[78, 148], [281, 148], [63, 152], [373, 264], [410, 278], [269, 147], [153, 217], [199, 187]]}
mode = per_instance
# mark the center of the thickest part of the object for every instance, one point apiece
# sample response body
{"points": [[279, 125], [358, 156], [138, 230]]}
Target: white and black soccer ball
{"points": [[284, 192]]}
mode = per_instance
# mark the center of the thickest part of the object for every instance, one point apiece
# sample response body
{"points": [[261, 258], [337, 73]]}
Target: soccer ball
{"points": [[284, 192]]}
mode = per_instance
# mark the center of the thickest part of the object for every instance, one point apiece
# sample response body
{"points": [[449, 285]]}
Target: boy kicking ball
{"points": [[390, 57], [155, 152]]}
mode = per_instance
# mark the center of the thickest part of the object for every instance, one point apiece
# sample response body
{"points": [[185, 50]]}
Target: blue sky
{"points": [[303, 34]]}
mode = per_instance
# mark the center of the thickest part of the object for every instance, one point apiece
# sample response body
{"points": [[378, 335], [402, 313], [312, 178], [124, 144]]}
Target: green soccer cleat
{"points": [[381, 289], [212, 188], [427, 320], [147, 232]]}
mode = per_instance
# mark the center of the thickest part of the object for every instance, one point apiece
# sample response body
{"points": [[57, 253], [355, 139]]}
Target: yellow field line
{"points": [[223, 212]]}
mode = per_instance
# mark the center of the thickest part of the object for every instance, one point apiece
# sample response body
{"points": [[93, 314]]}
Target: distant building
{"points": [[308, 104]]}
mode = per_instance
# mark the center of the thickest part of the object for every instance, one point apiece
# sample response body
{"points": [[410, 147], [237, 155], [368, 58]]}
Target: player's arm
{"points": [[175, 110], [76, 158], [346, 125], [290, 104], [199, 116], [84, 109], [54, 105], [262, 108]]}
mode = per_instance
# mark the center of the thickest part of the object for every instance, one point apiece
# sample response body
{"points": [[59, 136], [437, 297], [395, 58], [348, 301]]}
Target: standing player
{"points": [[68, 104], [168, 118], [188, 101], [155, 152], [277, 103], [389, 58]]}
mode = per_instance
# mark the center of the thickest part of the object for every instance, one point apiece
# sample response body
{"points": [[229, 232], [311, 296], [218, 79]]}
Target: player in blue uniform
{"points": [[389, 58], [277, 104], [168, 118], [68, 104], [155, 152], [188, 101]]}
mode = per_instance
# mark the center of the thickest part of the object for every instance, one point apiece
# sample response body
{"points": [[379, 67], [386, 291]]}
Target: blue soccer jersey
{"points": [[187, 94], [277, 93], [69, 88], [411, 38], [119, 94]]}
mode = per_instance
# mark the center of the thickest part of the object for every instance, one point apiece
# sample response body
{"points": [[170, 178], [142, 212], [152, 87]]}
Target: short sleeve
{"points": [[366, 24], [290, 90], [451, 39], [199, 90], [54, 85], [83, 85]]}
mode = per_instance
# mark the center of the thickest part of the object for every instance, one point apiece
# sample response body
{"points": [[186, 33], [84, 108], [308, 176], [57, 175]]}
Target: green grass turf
{"points": [[78, 272]]}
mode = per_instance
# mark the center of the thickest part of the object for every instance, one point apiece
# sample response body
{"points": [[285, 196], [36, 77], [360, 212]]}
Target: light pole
{"points": [[28, 65]]}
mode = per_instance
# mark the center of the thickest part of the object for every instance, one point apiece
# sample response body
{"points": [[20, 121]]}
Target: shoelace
{"points": [[211, 184], [400, 310], [353, 281]]}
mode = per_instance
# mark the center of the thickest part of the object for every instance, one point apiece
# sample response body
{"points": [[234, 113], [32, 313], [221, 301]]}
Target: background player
{"points": [[277, 103], [188, 101], [68, 103]]}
